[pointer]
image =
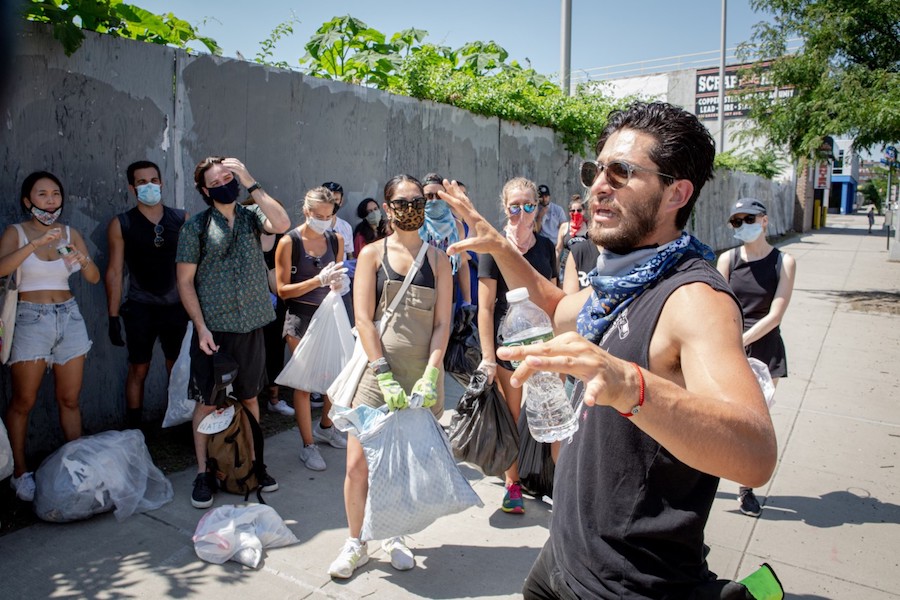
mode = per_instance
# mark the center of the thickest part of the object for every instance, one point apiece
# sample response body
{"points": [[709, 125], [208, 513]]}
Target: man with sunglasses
{"points": [[670, 402], [550, 215], [144, 240]]}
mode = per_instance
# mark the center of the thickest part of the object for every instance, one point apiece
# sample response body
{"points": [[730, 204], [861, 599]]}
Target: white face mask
{"points": [[748, 233], [148, 194], [318, 225]]}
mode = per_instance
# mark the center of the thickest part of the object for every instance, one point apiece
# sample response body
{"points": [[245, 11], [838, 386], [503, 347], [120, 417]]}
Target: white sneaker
{"points": [[281, 407], [354, 554], [402, 557], [312, 458], [330, 436], [24, 486]]}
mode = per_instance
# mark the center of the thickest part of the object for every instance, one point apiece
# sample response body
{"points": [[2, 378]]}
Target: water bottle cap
{"points": [[517, 295]]}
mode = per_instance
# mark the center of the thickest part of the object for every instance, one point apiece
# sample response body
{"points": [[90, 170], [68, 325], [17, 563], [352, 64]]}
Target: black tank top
{"points": [[628, 517], [151, 267], [423, 278], [304, 266], [754, 283]]}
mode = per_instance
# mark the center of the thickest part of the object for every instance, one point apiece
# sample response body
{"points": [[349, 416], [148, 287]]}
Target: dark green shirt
{"points": [[231, 280]]}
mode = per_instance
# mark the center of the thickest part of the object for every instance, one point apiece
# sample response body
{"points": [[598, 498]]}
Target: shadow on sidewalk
{"points": [[834, 509], [869, 301]]}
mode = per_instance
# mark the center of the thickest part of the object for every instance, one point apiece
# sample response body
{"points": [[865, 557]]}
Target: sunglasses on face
{"points": [[737, 221], [515, 209], [403, 205], [618, 172], [158, 240], [576, 210], [432, 196]]}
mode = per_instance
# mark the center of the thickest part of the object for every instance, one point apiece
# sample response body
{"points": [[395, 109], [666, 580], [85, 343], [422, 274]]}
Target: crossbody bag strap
{"points": [[417, 264], [23, 240]]}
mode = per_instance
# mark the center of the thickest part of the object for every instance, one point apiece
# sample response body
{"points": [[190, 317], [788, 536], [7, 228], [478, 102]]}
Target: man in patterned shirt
{"points": [[223, 286]]}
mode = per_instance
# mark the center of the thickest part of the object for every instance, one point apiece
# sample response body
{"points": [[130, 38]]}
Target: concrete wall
{"points": [[88, 116]]}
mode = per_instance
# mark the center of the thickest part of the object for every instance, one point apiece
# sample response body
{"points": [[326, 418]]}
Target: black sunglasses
{"points": [[403, 205], [514, 209], [618, 172], [158, 241], [575, 210], [737, 221]]}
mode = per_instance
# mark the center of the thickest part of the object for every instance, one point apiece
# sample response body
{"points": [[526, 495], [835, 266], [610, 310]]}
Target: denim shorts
{"points": [[51, 332]]}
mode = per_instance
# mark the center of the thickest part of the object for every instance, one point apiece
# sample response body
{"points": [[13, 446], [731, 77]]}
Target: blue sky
{"points": [[603, 32]]}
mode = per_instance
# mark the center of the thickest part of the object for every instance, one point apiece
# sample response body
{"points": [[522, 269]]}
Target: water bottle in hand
{"points": [[550, 414], [67, 253]]}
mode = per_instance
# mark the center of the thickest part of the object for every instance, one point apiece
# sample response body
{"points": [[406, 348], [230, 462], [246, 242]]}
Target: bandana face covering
{"points": [[440, 229], [225, 194], [619, 279], [522, 233], [44, 217], [577, 222]]}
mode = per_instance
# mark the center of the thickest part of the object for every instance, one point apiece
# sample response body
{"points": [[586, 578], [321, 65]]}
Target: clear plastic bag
{"points": [[99, 473], [181, 405], [6, 459], [765, 380], [413, 478], [240, 533], [324, 350]]}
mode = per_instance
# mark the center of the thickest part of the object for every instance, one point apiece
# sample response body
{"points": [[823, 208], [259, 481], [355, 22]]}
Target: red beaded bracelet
{"points": [[637, 408]]}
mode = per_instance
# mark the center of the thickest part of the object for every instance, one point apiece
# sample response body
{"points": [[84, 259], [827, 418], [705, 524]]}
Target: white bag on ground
{"points": [[765, 380], [413, 477], [181, 405], [6, 459], [99, 473], [325, 348], [239, 533]]}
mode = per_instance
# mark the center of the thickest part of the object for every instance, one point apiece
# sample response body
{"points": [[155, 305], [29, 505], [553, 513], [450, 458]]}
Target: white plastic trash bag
{"points": [[239, 533], [108, 471], [6, 459], [325, 348], [413, 478], [181, 405], [765, 380]]}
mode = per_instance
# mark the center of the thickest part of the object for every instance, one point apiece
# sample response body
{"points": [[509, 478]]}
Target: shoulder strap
{"points": [[735, 258], [778, 265], [296, 247], [23, 239], [417, 264], [333, 242]]}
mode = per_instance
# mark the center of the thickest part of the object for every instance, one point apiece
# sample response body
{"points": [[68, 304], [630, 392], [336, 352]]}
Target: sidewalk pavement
{"points": [[830, 524]]}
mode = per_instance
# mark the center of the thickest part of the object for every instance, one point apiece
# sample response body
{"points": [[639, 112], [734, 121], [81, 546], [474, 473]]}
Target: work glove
{"points": [[393, 393], [489, 369], [424, 392], [331, 273], [115, 331]]}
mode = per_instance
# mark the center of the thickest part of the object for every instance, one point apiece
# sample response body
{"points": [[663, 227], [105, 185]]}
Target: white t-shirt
{"points": [[343, 227]]}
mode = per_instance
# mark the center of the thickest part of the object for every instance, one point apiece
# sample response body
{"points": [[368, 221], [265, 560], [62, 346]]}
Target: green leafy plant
{"points": [[70, 17], [760, 161], [267, 46]]}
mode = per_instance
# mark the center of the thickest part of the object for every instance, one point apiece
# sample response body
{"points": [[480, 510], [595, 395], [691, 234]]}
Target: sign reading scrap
{"points": [[738, 81]]}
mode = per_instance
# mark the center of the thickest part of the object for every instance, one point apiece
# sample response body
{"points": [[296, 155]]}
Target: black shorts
{"points": [[248, 351], [297, 319], [146, 322], [770, 350]]}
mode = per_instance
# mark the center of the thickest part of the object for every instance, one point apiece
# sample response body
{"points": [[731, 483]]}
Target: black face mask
{"points": [[225, 194]]}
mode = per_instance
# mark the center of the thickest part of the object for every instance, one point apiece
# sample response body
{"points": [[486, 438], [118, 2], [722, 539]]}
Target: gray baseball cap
{"points": [[748, 206]]}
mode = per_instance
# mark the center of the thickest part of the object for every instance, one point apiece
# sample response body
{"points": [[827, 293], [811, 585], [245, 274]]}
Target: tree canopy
{"points": [[846, 76]]}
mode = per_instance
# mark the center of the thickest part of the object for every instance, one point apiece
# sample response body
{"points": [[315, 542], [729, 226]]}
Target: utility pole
{"points": [[721, 147], [565, 50]]}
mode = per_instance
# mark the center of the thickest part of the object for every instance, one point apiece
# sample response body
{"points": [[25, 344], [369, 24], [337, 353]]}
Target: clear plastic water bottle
{"points": [[68, 255], [550, 414]]}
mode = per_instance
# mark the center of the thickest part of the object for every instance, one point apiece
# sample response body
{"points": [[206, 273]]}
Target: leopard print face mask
{"points": [[408, 220]]}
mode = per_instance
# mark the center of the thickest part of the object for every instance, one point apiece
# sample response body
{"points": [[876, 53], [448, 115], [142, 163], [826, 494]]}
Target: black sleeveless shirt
{"points": [[151, 267], [424, 277], [628, 517]]}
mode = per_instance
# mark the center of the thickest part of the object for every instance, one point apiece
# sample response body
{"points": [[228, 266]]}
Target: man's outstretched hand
{"points": [[483, 237]]}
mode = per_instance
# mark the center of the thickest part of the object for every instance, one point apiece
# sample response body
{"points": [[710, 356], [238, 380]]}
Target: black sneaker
{"points": [[749, 504], [202, 496], [266, 482]]}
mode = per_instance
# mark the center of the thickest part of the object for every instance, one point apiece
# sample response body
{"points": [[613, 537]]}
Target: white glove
{"points": [[331, 273], [343, 286], [488, 368]]}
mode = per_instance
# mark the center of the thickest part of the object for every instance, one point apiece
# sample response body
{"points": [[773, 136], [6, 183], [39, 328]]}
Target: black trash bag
{"points": [[464, 347], [483, 432], [536, 466]]}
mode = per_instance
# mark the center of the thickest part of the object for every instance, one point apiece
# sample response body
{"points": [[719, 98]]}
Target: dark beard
{"points": [[639, 223]]}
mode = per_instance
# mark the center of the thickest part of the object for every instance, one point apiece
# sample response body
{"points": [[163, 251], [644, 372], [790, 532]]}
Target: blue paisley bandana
{"points": [[440, 229], [613, 294]]}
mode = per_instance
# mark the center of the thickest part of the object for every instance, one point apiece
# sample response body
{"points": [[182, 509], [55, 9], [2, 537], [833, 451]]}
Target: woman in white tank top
{"points": [[50, 331]]}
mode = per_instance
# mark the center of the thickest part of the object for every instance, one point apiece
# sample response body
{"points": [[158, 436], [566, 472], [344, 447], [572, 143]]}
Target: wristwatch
{"points": [[253, 187], [380, 366]]}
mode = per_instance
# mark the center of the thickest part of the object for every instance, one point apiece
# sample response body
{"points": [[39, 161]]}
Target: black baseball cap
{"points": [[543, 190], [333, 187], [748, 206]]}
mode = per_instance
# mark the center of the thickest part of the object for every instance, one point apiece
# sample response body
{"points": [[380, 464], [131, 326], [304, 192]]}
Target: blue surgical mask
{"points": [[374, 218], [748, 233], [148, 194]]}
